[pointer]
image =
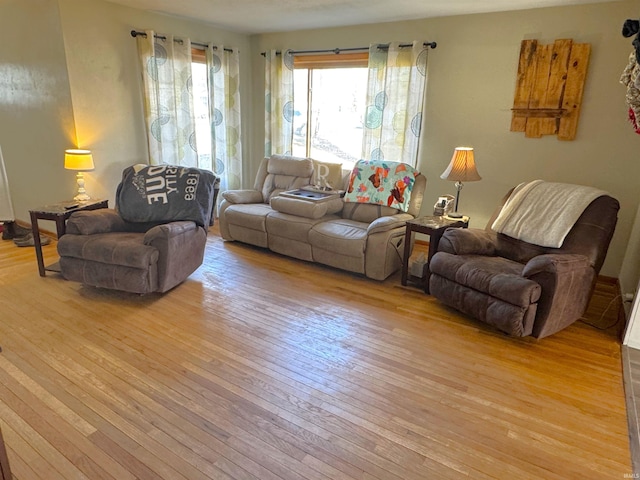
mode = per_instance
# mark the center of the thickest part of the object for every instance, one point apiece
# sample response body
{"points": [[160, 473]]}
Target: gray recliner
{"points": [[518, 287], [103, 249]]}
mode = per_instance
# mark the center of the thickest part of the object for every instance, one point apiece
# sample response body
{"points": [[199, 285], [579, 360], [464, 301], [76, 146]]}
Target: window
{"points": [[329, 106], [201, 108]]}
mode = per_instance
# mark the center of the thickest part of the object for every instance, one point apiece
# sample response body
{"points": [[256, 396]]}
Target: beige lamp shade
{"points": [[462, 167], [76, 159]]}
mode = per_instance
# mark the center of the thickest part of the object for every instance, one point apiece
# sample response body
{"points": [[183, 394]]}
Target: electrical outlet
{"points": [[628, 297]]}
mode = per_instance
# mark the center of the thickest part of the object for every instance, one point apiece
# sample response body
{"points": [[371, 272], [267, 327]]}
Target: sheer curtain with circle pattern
{"points": [[166, 63], [223, 80], [278, 101], [166, 74], [395, 99]]}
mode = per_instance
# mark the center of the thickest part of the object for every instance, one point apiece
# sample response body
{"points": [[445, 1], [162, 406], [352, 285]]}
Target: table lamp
{"points": [[462, 168], [81, 161]]}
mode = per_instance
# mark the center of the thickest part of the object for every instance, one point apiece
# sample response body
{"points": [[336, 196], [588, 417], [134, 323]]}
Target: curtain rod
{"points": [[134, 34], [354, 49]]}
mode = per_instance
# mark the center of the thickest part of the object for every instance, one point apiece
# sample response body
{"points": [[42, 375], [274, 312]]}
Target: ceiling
{"points": [[262, 16]]}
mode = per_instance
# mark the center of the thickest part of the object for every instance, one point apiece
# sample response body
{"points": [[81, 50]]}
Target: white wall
{"points": [[70, 66], [36, 116], [471, 82]]}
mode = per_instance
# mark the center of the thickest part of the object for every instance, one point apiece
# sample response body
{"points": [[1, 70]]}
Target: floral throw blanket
{"points": [[381, 183]]}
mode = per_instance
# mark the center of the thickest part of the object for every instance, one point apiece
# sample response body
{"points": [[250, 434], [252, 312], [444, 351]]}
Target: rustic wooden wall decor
{"points": [[549, 88]]}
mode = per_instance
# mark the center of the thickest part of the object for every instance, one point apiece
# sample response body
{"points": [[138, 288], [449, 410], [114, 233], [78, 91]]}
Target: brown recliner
{"points": [[105, 248], [518, 287]]}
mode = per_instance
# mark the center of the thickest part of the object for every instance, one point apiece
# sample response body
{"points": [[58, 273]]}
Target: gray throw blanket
{"points": [[165, 193]]}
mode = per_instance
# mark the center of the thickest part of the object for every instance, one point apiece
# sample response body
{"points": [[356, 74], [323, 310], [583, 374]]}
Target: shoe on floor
{"points": [[11, 230], [27, 240]]}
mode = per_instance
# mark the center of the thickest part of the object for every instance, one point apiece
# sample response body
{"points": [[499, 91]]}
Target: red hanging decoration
{"points": [[634, 121]]}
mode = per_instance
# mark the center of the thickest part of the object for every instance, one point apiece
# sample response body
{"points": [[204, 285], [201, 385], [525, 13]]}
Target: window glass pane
{"points": [[201, 110], [337, 113]]}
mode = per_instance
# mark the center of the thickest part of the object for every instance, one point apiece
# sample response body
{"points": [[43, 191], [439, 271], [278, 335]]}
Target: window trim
{"points": [[333, 60], [198, 55]]}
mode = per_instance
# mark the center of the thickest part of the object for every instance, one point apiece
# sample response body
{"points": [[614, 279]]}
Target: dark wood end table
{"points": [[434, 227], [59, 213]]}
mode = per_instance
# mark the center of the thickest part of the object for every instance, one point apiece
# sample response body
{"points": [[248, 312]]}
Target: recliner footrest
{"points": [[495, 276], [511, 319], [119, 248]]}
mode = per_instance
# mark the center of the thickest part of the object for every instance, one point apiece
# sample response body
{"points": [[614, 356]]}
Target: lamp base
{"points": [[82, 193], [457, 217], [82, 197]]}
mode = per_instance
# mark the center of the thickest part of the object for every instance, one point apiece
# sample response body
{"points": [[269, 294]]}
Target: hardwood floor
{"points": [[264, 367]]}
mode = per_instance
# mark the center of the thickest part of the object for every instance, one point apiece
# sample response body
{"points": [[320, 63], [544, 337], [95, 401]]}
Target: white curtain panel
{"points": [[395, 98], [6, 207], [166, 72], [278, 103], [223, 79]]}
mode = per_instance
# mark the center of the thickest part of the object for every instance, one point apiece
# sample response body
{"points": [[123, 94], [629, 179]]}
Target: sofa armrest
{"points": [[161, 233], [557, 264], [89, 222], [468, 241], [243, 196], [384, 224], [566, 282], [180, 248]]}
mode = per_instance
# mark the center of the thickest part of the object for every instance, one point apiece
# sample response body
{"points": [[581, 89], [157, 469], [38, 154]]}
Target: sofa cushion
{"points": [[365, 212], [305, 208], [328, 174], [496, 276], [293, 227], [290, 166], [250, 215], [346, 237], [285, 173], [117, 248]]}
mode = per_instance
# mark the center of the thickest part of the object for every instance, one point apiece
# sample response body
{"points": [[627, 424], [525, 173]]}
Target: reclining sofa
{"points": [[363, 238]]}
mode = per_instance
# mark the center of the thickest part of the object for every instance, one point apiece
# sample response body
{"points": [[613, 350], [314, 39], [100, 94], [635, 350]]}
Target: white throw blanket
{"points": [[542, 213]]}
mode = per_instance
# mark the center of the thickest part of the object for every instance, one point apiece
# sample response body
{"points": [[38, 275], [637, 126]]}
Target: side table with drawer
{"points": [[434, 227], [59, 213]]}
